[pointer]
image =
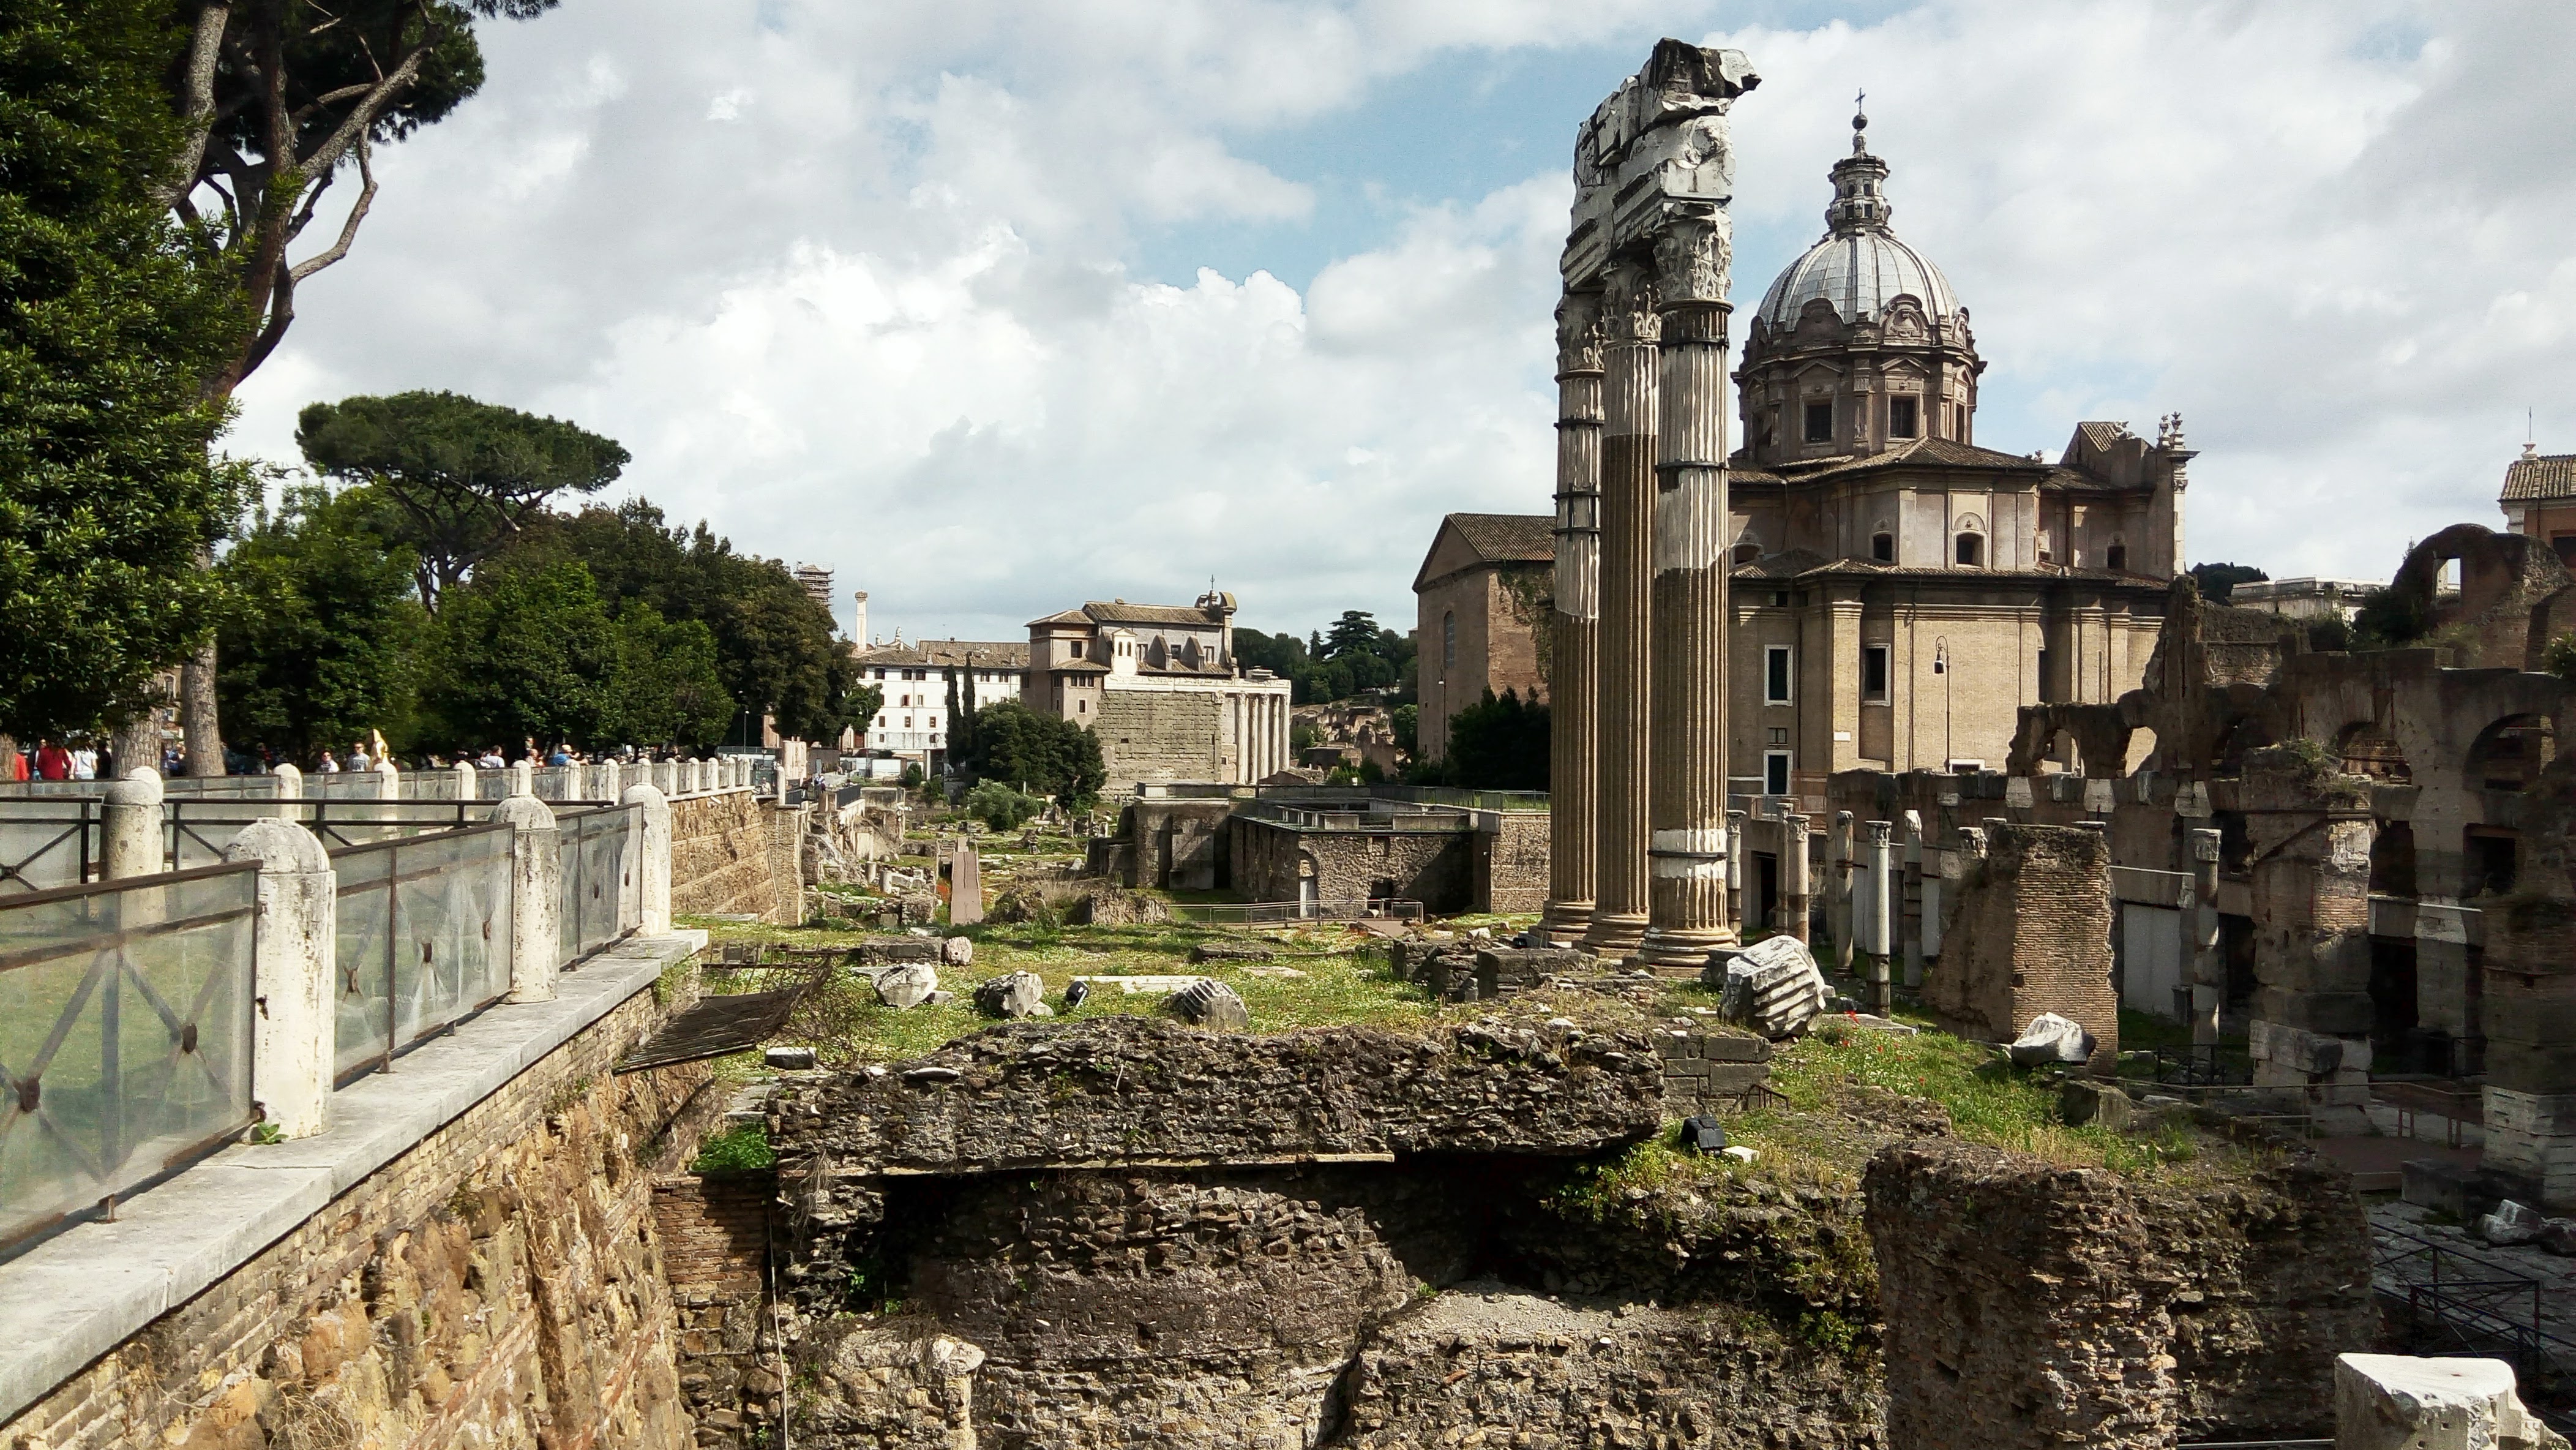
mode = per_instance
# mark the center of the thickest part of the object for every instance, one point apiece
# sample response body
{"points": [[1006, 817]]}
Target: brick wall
{"points": [[724, 857], [1434, 868], [498, 1285], [2031, 933], [715, 1253], [1705, 1071], [1157, 735]]}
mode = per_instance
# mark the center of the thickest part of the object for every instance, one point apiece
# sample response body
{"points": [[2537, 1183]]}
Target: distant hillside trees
{"points": [[1039, 753], [1354, 655]]}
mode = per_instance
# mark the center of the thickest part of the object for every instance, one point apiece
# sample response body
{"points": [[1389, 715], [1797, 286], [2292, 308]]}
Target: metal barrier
{"points": [[48, 843], [1431, 820], [424, 940], [2464, 1304], [599, 903], [125, 1037]]}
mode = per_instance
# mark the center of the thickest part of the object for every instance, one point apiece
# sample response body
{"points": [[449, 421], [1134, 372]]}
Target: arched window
{"points": [[1882, 547], [1449, 640], [1972, 549], [2116, 558]]}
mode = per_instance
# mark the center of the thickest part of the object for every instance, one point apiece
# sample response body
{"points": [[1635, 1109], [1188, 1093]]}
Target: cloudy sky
{"points": [[996, 307]]}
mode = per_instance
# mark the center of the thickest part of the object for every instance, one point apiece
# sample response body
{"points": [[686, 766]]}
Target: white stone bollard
{"points": [[130, 826], [523, 778], [288, 787], [536, 895], [653, 860], [604, 782], [464, 780], [388, 781], [296, 1041], [666, 777], [2399, 1402]]}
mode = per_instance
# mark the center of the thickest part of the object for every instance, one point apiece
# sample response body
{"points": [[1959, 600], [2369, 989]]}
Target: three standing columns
{"points": [[1686, 742], [1574, 652], [1629, 388]]}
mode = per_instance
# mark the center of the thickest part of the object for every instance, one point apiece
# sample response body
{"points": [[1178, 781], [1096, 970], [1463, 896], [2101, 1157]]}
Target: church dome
{"points": [[1859, 266]]}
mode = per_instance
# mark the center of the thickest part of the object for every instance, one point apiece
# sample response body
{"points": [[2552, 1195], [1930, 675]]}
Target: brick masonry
{"points": [[498, 1285], [1511, 862], [715, 1254], [727, 855], [2031, 933], [1705, 1071], [1158, 735]]}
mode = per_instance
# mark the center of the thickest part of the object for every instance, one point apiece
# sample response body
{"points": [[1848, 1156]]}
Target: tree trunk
{"points": [[138, 742], [197, 719]]}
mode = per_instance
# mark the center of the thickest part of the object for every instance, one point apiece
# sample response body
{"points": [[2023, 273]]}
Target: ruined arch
{"points": [[2246, 735], [2510, 753]]}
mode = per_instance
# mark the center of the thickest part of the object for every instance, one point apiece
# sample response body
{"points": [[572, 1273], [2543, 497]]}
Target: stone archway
{"points": [[2369, 750]]}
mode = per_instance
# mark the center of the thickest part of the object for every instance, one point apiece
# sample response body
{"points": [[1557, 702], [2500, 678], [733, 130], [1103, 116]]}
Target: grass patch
{"points": [[735, 1150]]}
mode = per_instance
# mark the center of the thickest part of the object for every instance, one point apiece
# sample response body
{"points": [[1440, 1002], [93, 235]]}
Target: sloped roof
{"points": [[948, 653], [1508, 538], [1121, 612], [2545, 475], [2102, 435], [1062, 616], [1917, 453]]}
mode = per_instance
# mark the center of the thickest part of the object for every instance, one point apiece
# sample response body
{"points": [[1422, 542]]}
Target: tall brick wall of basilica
{"points": [[1160, 735], [500, 1285]]}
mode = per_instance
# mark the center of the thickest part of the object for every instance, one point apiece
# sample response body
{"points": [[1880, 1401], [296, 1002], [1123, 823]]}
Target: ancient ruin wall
{"points": [[724, 858], [2031, 933], [2033, 1305], [499, 1285], [1511, 863], [1160, 735]]}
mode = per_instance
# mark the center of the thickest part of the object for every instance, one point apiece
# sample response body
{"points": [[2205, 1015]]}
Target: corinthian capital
{"points": [[1692, 256], [1578, 333], [1630, 309]]}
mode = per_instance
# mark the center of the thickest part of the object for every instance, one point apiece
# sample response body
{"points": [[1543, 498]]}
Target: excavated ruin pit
{"points": [[1125, 1232]]}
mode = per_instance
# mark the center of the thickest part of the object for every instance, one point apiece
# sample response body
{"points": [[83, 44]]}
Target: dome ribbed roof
{"points": [[1859, 273], [1859, 266]]}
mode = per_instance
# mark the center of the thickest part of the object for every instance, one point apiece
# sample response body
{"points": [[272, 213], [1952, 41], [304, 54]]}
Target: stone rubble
{"points": [[2397, 1402], [1013, 994], [2051, 1038], [907, 986], [1772, 986], [1210, 1004]]}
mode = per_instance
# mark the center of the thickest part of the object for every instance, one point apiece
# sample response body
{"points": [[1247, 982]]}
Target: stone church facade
{"points": [[1900, 592], [1480, 611], [1158, 683]]}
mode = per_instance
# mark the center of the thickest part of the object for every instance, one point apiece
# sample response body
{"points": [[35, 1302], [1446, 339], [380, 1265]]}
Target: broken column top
{"points": [[1655, 149]]}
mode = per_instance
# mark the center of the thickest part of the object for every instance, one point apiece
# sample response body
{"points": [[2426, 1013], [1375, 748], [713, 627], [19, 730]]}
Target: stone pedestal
{"points": [[2397, 1402]]}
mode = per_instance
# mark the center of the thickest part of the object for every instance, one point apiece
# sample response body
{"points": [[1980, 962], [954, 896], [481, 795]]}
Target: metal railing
{"points": [[2461, 1301], [126, 1032], [1257, 913], [599, 901], [1427, 820], [424, 940]]}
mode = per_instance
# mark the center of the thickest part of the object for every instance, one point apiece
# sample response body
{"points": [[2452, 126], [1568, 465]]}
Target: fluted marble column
{"points": [[1629, 378], [1574, 684], [1686, 749]]}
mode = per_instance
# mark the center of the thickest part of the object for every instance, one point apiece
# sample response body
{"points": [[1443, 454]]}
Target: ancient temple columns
{"points": [[1629, 387], [1573, 826], [1686, 750]]}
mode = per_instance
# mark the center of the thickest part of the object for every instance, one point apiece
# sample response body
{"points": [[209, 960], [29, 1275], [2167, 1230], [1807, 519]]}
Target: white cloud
{"points": [[886, 316]]}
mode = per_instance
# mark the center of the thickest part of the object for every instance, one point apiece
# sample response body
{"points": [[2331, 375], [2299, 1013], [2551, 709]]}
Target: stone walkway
{"points": [[2555, 1276]]}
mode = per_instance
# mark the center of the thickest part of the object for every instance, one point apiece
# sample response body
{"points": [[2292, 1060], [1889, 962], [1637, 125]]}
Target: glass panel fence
{"points": [[598, 902], [46, 843], [125, 1037], [424, 938]]}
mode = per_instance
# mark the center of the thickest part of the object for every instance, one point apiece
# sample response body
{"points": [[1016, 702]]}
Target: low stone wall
{"points": [[1705, 1071], [732, 852], [498, 1284], [2037, 1306], [1510, 862]]}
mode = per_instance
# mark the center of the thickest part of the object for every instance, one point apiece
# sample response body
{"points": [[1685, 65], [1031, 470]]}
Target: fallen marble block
{"points": [[2051, 1038]]}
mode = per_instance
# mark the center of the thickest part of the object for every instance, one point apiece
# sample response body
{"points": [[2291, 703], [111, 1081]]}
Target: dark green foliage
{"points": [[1039, 753], [1000, 806], [667, 687], [1356, 656], [2218, 581], [1498, 745], [2391, 617], [1304, 736], [2561, 658], [526, 649], [1407, 721], [108, 328], [736, 1150], [2330, 635], [775, 649], [316, 649], [464, 477]]}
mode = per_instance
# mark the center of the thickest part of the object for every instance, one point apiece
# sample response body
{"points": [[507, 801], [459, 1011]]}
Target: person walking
{"points": [[52, 761], [85, 763]]}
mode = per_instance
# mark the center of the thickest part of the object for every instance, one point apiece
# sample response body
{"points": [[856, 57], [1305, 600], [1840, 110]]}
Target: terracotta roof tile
{"points": [[2551, 475], [1507, 538]]}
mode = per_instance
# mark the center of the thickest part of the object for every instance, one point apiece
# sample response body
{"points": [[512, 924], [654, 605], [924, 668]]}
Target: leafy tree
{"points": [[775, 648], [1356, 632], [317, 648], [667, 688], [999, 806], [1281, 654], [2330, 634], [1304, 735], [961, 721], [1406, 721], [280, 96], [2218, 581], [1040, 753], [463, 476], [2561, 658], [2391, 617], [1498, 744], [108, 329], [525, 649]]}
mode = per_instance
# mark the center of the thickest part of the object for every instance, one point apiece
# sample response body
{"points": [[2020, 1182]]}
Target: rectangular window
{"points": [[1779, 734], [1775, 772], [1820, 422], [1775, 675], [1873, 671], [1900, 417], [2044, 696]]}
